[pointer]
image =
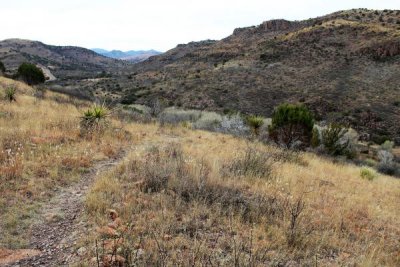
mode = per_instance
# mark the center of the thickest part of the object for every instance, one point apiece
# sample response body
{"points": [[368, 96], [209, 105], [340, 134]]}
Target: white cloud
{"points": [[123, 24]]}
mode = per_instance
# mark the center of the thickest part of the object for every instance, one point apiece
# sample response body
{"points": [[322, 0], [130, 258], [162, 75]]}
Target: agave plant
{"points": [[94, 118], [96, 113]]}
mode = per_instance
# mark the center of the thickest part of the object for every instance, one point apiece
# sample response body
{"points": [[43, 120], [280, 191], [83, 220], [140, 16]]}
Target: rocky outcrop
{"points": [[277, 25]]}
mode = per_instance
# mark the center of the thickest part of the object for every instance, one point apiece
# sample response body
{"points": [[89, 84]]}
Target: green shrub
{"points": [[334, 140], [255, 123], [30, 74], [387, 145], [292, 124], [368, 173], [10, 94]]}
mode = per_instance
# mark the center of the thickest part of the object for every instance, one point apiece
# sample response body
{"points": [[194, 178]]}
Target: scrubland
{"points": [[194, 198], [41, 150], [184, 197]]}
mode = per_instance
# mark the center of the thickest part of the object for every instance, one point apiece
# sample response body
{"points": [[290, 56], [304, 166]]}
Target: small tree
{"points": [[2, 67], [30, 74], [334, 141], [291, 124]]}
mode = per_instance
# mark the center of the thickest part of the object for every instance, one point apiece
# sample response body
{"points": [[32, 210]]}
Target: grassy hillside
{"points": [[187, 197], [198, 198], [41, 150]]}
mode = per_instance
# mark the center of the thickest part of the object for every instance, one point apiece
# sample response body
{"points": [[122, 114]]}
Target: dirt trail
{"points": [[60, 222]]}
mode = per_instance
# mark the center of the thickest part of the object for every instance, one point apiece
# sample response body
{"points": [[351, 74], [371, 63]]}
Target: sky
{"points": [[153, 24]]}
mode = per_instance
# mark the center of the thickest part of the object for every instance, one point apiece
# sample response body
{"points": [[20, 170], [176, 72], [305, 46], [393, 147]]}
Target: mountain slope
{"points": [[62, 61], [345, 66]]}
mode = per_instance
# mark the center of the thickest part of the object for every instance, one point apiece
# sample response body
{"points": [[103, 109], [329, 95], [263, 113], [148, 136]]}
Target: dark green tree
{"points": [[291, 125], [30, 74], [2, 67]]}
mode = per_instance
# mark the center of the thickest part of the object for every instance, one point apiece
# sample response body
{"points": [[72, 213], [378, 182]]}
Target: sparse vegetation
{"points": [[40, 151], [191, 188], [188, 197]]}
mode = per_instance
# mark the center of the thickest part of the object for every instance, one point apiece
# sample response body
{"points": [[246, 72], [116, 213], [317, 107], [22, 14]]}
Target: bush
{"points": [[255, 123], [387, 145], [335, 141], [10, 94], [30, 74], [156, 107], [2, 67], [234, 125], [292, 125], [253, 162], [208, 121], [176, 116], [386, 164], [368, 173]]}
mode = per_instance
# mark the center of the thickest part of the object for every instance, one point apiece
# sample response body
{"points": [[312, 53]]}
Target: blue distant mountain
{"points": [[132, 55]]}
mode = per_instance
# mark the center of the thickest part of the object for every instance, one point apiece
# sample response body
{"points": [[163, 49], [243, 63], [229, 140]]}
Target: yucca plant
{"points": [[255, 123], [94, 119], [10, 94]]}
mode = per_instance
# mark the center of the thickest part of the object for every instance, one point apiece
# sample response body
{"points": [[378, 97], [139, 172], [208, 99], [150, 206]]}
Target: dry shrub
{"points": [[294, 210], [109, 151], [253, 162], [76, 163], [168, 170], [11, 166]]}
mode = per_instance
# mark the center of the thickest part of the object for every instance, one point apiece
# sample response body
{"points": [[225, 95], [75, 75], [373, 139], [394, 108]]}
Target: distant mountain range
{"points": [[132, 55]]}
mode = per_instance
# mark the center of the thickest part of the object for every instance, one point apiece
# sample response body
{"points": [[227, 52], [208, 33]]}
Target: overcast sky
{"points": [[153, 24]]}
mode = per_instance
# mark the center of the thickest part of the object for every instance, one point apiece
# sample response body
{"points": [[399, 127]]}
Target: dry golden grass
{"points": [[178, 207], [186, 197], [40, 150]]}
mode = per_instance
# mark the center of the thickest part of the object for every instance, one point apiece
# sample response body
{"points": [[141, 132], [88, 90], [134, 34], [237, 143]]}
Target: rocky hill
{"points": [[345, 66], [61, 61]]}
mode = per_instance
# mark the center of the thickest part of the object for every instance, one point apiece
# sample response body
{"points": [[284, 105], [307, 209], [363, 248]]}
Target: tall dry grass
{"points": [[41, 150], [193, 198]]}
